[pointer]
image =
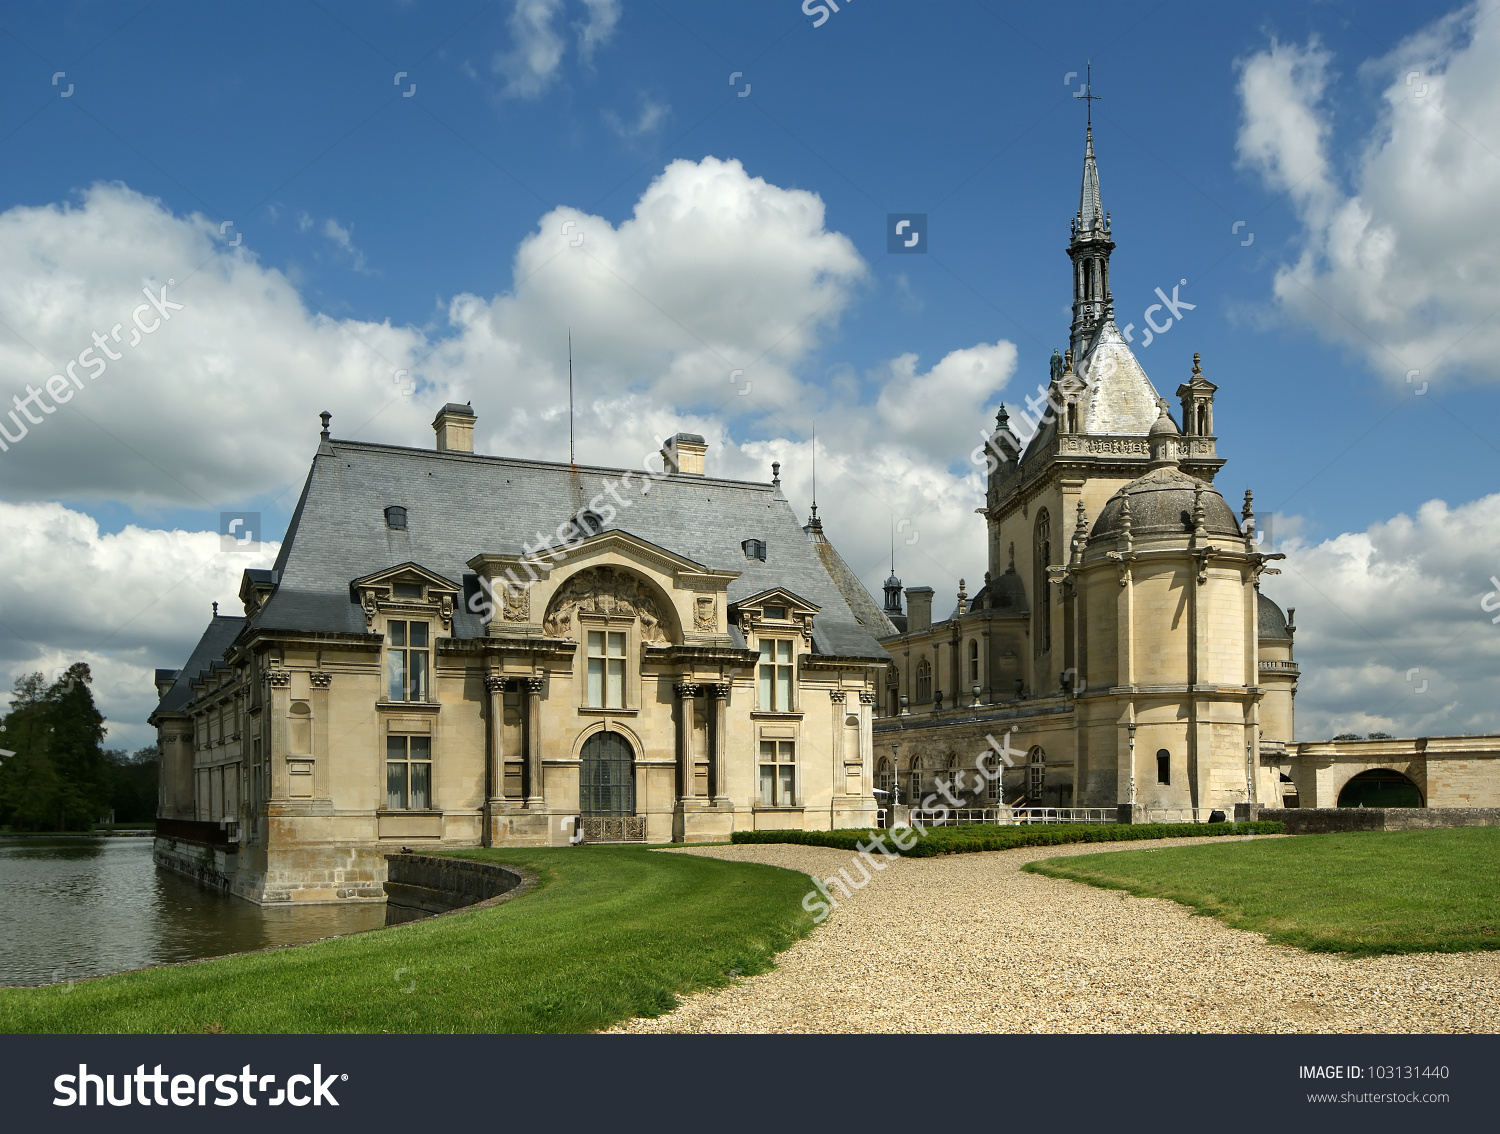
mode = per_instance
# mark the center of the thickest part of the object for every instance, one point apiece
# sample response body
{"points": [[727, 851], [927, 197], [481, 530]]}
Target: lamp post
{"points": [[1131, 729], [890, 814]]}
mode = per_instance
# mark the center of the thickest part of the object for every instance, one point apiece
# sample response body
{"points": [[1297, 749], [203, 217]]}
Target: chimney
{"points": [[684, 454], [454, 426], [918, 608]]}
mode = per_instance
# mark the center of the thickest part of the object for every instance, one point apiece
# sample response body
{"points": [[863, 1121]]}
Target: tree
{"points": [[59, 778]]}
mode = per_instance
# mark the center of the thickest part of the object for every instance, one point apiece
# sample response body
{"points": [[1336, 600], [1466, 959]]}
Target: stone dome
{"points": [[1271, 622], [1162, 501], [1005, 592]]}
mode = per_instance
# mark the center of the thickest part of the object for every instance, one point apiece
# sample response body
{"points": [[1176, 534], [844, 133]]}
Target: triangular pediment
{"points": [[778, 596], [413, 573]]}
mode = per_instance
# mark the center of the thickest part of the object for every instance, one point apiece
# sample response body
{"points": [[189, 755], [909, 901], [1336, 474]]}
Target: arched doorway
{"points": [[606, 780], [1380, 787]]}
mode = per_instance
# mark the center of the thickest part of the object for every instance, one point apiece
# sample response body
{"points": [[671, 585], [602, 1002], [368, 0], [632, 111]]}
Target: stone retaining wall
{"points": [[209, 866], [1328, 820], [420, 885]]}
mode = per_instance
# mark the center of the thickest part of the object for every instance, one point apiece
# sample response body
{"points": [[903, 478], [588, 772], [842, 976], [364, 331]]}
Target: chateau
{"points": [[455, 649]]}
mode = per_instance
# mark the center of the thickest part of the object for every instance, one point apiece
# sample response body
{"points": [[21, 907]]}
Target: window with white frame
{"points": [[606, 675], [776, 675], [1036, 774], [408, 773], [973, 659], [406, 658], [884, 777], [778, 773], [914, 784]]}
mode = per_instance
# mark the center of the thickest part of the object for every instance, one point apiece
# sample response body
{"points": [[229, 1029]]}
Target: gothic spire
{"points": [[1089, 249]]}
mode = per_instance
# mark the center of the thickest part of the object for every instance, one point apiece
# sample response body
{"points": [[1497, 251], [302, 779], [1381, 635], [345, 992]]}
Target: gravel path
{"points": [[970, 943]]}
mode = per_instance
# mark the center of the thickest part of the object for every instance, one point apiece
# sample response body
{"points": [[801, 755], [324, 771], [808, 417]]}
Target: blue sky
{"points": [[370, 208]]}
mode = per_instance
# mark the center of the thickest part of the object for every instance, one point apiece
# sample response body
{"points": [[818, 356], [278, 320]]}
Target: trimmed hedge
{"points": [[967, 839]]}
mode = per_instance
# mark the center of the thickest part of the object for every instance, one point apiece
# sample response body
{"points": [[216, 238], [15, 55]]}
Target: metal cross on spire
{"points": [[1089, 97]]}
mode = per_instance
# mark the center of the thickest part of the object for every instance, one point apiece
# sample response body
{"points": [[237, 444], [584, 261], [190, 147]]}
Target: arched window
{"points": [[1042, 588], [973, 659], [914, 784], [1036, 774], [924, 681], [1163, 766], [884, 776], [1203, 426], [1072, 417], [606, 777]]}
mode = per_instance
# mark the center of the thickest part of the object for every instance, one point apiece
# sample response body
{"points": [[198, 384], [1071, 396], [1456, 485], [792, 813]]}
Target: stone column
{"points": [[867, 743], [531, 689], [494, 687], [687, 692], [276, 733], [839, 783], [322, 749], [718, 769]]}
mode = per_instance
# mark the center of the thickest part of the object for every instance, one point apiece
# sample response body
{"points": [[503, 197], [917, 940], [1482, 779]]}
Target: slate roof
{"points": [[222, 630], [866, 610], [1163, 500], [459, 505], [1271, 622]]}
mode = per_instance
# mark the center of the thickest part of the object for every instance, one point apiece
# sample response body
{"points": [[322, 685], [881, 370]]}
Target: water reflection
{"points": [[76, 906]]}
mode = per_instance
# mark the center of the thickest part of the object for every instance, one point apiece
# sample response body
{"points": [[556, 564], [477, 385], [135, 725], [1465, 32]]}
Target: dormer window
{"points": [[395, 518], [754, 549], [586, 523], [406, 660]]}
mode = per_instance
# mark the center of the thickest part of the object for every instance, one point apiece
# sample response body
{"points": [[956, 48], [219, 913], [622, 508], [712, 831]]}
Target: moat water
{"points": [[74, 906]]}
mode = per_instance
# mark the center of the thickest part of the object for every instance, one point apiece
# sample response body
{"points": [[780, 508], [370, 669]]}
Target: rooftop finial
{"points": [[216, 610], [327, 417], [776, 473], [1002, 419], [1089, 97]]}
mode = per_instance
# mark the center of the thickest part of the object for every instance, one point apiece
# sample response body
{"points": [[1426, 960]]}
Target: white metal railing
{"points": [[1012, 816], [1180, 814]]}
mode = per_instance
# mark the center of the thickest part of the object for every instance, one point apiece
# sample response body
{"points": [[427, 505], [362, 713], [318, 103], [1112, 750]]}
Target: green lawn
{"points": [[611, 933], [1367, 893]]}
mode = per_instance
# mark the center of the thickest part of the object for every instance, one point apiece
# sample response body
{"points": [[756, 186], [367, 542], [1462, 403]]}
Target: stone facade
{"points": [[387, 688]]}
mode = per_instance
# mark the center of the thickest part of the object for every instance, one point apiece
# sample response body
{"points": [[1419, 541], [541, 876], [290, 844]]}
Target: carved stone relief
{"points": [[604, 590]]}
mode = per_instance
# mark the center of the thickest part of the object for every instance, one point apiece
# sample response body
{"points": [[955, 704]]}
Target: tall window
{"points": [[778, 773], [606, 684], [606, 781], [1043, 589], [914, 784], [884, 777], [1163, 766], [406, 660], [776, 675], [1036, 775], [973, 659], [408, 773], [924, 681]]}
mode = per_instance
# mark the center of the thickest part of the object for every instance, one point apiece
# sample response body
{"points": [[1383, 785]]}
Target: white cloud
{"points": [[343, 239], [538, 47], [652, 115], [716, 270], [125, 603], [1401, 267], [1391, 633], [944, 410]]}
